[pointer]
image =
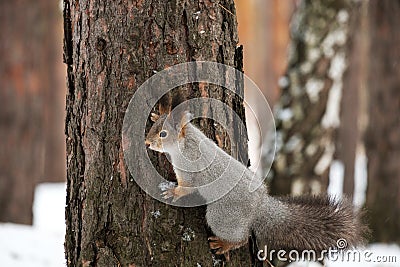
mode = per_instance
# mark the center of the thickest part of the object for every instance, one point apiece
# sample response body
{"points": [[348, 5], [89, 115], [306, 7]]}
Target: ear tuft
{"points": [[185, 119], [154, 117]]}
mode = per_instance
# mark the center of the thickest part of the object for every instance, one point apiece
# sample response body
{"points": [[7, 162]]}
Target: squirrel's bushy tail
{"points": [[308, 223]]}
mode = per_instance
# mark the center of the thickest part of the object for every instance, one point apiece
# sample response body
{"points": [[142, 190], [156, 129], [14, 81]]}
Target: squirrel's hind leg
{"points": [[220, 246]]}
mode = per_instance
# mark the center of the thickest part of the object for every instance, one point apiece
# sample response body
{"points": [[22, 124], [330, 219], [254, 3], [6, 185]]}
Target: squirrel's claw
{"points": [[168, 193], [171, 193], [219, 246]]}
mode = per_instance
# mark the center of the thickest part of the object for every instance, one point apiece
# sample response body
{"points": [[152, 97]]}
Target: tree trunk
{"points": [[110, 50], [308, 111], [382, 139], [350, 138], [29, 76], [264, 32]]}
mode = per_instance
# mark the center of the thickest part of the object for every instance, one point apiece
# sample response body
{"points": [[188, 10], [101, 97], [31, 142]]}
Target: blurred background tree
{"points": [[382, 137], [32, 104], [308, 111], [337, 114]]}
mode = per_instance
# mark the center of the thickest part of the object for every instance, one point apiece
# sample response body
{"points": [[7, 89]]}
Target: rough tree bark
{"points": [[29, 78], [382, 140], [308, 111], [110, 49]]}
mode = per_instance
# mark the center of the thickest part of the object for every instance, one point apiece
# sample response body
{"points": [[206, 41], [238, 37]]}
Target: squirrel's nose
{"points": [[147, 144]]}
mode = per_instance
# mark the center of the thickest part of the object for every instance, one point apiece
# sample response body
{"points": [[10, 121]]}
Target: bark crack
{"points": [[189, 48], [149, 252]]}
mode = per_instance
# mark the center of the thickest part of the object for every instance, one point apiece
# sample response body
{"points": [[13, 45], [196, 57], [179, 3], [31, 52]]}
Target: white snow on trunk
{"points": [[360, 177], [313, 88], [338, 66], [325, 160], [336, 179], [331, 117]]}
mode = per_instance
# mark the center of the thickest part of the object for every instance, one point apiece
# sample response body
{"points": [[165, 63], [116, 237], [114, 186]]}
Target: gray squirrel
{"points": [[288, 223]]}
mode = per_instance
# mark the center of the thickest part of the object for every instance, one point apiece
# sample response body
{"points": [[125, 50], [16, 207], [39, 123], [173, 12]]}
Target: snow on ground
{"points": [[49, 207], [42, 245], [22, 246], [374, 255]]}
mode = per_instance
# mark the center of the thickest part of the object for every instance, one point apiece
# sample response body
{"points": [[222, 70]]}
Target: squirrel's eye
{"points": [[163, 134]]}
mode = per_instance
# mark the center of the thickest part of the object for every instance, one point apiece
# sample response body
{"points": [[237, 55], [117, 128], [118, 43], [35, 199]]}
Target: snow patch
{"points": [[314, 54], [165, 185], [22, 245], [188, 235], [284, 114], [297, 187], [360, 177], [42, 244], [343, 16], [49, 207], [306, 67], [331, 117], [311, 149], [283, 82], [196, 15], [294, 143], [156, 213], [336, 179], [311, 38], [304, 264], [325, 161], [371, 256], [374, 255], [338, 66], [316, 187], [313, 88], [336, 37]]}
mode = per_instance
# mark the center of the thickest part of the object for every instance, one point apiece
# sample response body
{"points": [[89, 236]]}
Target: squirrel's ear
{"points": [[185, 119], [154, 117]]}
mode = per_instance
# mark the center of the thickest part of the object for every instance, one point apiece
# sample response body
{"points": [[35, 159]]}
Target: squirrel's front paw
{"points": [[176, 193], [172, 192], [168, 193]]}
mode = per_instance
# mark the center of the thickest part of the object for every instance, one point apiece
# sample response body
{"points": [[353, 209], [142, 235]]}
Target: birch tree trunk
{"points": [[110, 49], [308, 111]]}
